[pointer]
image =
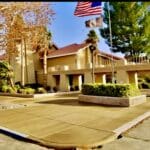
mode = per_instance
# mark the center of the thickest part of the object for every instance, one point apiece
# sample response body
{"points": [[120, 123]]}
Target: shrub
{"points": [[133, 90], [29, 91], [147, 79], [4, 88], [145, 85], [33, 85], [26, 91], [55, 89], [114, 90], [17, 87], [41, 90], [7, 89], [48, 89], [21, 91]]}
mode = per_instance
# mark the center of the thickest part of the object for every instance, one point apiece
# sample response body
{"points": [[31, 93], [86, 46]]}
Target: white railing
{"points": [[140, 60], [75, 67]]}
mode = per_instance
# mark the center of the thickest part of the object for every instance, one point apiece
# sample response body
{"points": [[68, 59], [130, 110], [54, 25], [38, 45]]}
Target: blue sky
{"points": [[67, 28]]}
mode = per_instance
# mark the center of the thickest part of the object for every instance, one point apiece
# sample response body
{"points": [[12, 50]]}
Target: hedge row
{"points": [[113, 90]]}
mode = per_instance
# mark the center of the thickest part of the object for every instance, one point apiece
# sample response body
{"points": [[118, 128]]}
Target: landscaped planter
{"points": [[40, 95], [113, 101], [17, 95]]}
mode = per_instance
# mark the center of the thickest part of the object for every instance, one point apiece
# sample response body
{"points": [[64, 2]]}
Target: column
{"points": [[103, 78], [80, 81], [51, 80], [89, 63], [133, 78], [77, 81], [88, 77], [64, 83], [122, 77]]}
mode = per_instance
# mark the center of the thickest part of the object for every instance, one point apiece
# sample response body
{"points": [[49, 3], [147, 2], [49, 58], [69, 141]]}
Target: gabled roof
{"points": [[73, 49], [109, 55], [54, 45], [67, 50]]}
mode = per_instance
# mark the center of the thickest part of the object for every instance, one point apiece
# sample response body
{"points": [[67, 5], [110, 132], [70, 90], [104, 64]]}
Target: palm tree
{"points": [[92, 40], [92, 37], [47, 37]]}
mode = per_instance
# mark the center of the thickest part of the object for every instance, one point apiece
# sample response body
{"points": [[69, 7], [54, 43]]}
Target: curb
{"points": [[13, 132], [39, 95], [132, 123], [55, 94]]}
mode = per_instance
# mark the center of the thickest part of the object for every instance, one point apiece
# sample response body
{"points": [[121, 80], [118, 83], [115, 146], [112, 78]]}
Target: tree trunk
{"points": [[45, 68], [12, 83], [22, 66], [26, 64]]}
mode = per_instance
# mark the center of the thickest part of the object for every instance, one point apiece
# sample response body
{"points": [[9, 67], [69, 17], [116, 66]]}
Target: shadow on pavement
{"points": [[72, 102]]}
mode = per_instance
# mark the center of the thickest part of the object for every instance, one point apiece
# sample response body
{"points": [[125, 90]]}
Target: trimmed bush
{"points": [[113, 90]]}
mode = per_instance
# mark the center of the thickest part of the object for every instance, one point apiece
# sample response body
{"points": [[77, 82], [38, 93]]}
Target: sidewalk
{"points": [[136, 138], [63, 122]]}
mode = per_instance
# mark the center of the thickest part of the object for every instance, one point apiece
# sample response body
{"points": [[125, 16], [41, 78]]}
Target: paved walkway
{"points": [[63, 122], [9, 143]]}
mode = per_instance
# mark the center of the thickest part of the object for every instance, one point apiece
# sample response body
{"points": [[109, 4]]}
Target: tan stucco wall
{"points": [[100, 78], [81, 58], [29, 71], [122, 76], [40, 78], [60, 61], [37, 62]]}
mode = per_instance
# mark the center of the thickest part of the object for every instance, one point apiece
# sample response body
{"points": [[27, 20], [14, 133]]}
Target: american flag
{"points": [[88, 9]]}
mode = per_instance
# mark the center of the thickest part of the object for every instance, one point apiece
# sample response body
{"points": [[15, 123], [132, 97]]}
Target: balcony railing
{"points": [[75, 67], [139, 61]]}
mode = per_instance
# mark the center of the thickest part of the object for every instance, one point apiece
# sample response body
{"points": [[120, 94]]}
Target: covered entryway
{"points": [[75, 81]]}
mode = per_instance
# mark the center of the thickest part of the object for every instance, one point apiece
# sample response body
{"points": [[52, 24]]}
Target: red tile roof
{"points": [[73, 49], [110, 55], [67, 50]]}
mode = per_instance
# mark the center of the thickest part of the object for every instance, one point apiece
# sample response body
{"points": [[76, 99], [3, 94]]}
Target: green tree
{"points": [[42, 44], [130, 27], [6, 73]]}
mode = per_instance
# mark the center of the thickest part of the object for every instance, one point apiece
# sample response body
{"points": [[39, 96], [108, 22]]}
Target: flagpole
{"points": [[110, 35]]}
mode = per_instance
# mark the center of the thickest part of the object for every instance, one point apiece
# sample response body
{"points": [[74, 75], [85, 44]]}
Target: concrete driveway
{"points": [[63, 122]]}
